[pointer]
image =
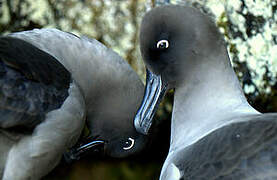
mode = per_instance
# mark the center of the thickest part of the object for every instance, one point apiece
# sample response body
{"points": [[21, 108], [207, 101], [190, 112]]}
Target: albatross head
{"points": [[176, 42]]}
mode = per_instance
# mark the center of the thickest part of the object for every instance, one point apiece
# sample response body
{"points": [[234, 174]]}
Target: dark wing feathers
{"points": [[34, 63], [32, 83], [244, 150]]}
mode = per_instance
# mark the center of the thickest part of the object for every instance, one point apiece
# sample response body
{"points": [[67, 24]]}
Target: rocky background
{"points": [[250, 31]]}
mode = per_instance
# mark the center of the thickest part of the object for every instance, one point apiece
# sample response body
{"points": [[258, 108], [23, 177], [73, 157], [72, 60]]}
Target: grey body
{"points": [[99, 78], [215, 133]]}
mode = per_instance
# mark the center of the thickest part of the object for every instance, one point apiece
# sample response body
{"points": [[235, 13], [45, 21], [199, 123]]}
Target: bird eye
{"points": [[163, 44], [129, 144]]}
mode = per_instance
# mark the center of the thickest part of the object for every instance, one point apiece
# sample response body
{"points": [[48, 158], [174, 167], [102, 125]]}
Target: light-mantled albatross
{"points": [[51, 82], [215, 133]]}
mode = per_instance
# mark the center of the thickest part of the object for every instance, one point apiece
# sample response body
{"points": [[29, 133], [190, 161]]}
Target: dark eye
{"points": [[163, 44], [129, 144]]}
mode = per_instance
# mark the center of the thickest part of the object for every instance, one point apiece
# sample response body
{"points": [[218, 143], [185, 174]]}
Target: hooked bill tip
{"points": [[75, 153], [142, 128]]}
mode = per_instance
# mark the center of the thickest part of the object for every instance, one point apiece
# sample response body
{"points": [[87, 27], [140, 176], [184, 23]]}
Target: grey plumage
{"points": [[244, 150], [215, 133], [31, 84], [93, 78]]}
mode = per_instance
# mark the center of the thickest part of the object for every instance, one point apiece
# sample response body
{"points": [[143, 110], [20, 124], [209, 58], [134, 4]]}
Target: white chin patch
{"points": [[129, 144]]}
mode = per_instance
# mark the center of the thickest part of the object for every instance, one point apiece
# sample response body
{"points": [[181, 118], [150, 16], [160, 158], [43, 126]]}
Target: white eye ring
{"points": [[161, 42], [131, 145]]}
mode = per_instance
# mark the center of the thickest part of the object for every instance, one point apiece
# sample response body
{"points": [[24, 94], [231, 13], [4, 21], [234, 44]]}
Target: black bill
{"points": [[154, 91], [76, 152]]}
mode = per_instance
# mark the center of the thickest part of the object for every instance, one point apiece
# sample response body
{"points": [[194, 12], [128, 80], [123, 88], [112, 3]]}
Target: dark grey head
{"points": [[111, 106], [114, 108], [174, 41], [119, 134], [175, 37], [110, 125]]}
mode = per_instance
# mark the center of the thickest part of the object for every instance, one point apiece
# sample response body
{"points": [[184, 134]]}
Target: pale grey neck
{"points": [[88, 60], [210, 99], [102, 74]]}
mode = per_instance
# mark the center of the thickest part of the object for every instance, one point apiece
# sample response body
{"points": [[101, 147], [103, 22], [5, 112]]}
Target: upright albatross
{"points": [[51, 82], [215, 133]]}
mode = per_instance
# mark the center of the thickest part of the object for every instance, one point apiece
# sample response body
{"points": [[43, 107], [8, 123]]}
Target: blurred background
{"points": [[250, 31]]}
